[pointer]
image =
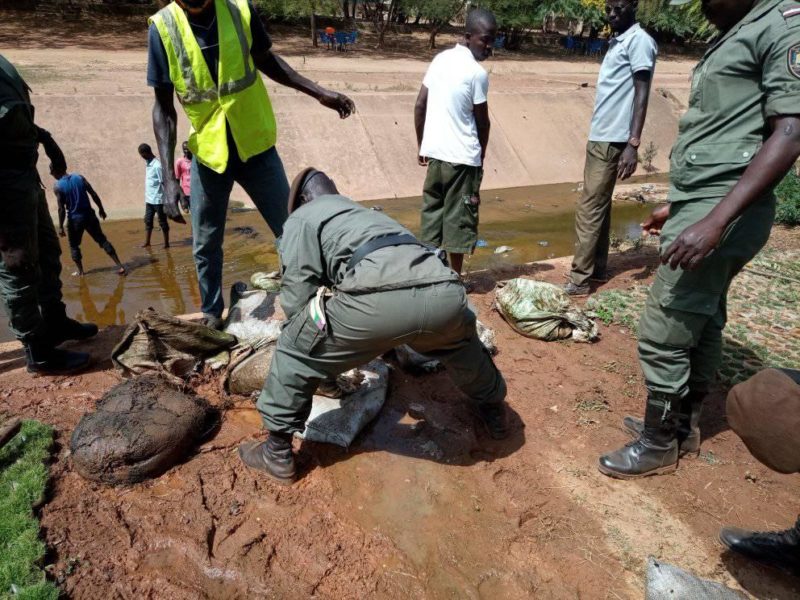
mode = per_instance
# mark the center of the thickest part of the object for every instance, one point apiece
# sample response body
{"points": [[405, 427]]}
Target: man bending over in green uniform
{"points": [[388, 290], [737, 140]]}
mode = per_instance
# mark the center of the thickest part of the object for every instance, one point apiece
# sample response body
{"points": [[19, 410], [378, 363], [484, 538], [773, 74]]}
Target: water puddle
{"points": [[536, 222]]}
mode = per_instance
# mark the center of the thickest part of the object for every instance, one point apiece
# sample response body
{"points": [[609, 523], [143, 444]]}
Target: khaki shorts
{"points": [[450, 200]]}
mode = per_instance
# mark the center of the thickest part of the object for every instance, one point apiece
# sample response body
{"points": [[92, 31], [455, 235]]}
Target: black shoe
{"points": [[656, 450], [273, 457], [65, 329], [577, 291], [213, 322], [776, 549], [600, 276], [47, 360], [494, 417]]}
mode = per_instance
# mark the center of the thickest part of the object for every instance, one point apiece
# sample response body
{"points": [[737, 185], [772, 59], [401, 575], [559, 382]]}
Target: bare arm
{"points": [[641, 95], [62, 210], [95, 197], [772, 161], [481, 112], [420, 112], [277, 69], [165, 128], [52, 150]]}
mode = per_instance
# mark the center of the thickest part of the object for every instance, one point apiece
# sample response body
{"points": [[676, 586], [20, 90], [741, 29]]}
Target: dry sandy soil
{"points": [[89, 88], [423, 505]]}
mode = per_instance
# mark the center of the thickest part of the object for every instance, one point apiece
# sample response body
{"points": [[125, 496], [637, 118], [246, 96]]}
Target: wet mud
{"points": [[141, 428]]}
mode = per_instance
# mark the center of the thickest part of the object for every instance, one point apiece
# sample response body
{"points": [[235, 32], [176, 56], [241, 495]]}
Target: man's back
{"points": [[153, 182], [455, 82], [72, 190]]}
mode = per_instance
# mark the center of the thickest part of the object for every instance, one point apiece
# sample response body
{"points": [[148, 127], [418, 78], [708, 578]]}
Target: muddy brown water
{"points": [[536, 221]]}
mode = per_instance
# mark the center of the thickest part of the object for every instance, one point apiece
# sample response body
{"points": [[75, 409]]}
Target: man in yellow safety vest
{"points": [[209, 53]]}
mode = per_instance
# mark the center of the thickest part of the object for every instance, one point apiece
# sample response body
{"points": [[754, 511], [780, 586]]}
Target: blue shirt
{"points": [[72, 191], [153, 183]]}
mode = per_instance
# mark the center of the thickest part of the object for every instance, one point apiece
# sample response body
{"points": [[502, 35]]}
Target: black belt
{"points": [[392, 239]]}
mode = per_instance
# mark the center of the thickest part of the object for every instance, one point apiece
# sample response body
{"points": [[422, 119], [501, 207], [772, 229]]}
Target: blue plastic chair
{"points": [[499, 42], [341, 40]]}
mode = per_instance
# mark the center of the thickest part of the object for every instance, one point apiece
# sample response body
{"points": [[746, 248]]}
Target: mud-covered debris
{"points": [[140, 428]]}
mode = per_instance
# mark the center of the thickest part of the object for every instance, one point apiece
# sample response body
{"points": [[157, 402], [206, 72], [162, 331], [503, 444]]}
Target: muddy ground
{"points": [[424, 504]]}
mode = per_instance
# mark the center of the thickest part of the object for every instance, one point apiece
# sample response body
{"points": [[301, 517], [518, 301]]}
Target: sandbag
{"points": [[270, 282], [140, 428], [339, 420], [254, 315], [765, 412], [666, 582], [543, 311], [168, 345]]}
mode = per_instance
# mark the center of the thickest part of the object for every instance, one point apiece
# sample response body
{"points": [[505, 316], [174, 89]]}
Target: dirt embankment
{"points": [[93, 96], [424, 505]]}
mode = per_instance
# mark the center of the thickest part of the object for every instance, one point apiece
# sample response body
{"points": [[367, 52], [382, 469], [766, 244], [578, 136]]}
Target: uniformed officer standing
{"points": [[30, 266], [388, 290], [737, 140]]}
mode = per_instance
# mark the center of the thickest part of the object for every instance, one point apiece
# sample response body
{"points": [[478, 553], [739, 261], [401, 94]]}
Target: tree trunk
{"points": [[314, 29], [432, 38], [346, 9], [384, 23]]}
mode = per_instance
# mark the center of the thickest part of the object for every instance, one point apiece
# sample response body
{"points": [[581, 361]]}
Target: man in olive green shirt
{"points": [[388, 290], [737, 140]]}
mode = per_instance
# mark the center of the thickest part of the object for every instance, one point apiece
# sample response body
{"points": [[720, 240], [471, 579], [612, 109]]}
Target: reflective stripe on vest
{"points": [[194, 94]]}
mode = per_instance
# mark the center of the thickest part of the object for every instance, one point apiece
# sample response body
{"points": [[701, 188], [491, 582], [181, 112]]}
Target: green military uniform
{"points": [[395, 295], [749, 75], [30, 287]]}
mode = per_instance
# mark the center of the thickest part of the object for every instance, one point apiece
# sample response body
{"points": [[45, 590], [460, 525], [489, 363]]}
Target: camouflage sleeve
{"points": [[781, 66]]}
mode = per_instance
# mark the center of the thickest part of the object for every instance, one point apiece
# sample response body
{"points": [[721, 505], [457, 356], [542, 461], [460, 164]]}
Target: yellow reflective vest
{"points": [[239, 96]]}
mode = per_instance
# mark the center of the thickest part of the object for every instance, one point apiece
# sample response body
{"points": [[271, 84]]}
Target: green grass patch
{"points": [[788, 194], [23, 476]]}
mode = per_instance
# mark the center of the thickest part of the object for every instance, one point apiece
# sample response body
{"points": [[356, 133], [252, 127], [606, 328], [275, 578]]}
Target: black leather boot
{"points": [[44, 359], [494, 417], [656, 450], [61, 328], [688, 423], [273, 457], [777, 549]]}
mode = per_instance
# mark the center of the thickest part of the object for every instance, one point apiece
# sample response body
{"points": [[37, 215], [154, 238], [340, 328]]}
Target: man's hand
{"points": [[172, 194], [62, 233], [655, 221], [338, 102], [628, 162], [422, 161], [102, 214], [694, 244]]}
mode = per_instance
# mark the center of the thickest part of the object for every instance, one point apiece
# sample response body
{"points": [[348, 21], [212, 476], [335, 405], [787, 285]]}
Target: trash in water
{"points": [[376, 208], [543, 311], [503, 249], [544, 243], [482, 244]]}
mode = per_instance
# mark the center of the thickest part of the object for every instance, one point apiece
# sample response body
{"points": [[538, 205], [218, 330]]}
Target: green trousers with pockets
{"points": [[433, 319], [680, 332], [593, 212], [31, 285]]}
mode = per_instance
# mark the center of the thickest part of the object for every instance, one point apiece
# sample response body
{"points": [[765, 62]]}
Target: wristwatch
{"points": [[634, 141]]}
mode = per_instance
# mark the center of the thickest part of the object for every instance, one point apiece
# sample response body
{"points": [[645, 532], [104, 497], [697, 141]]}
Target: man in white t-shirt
{"points": [[623, 89], [452, 122]]}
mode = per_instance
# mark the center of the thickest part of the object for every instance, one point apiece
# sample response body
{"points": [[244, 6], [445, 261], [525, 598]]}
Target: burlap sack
{"points": [[765, 412]]}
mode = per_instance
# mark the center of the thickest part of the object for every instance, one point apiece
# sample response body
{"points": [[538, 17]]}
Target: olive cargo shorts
{"points": [[450, 199], [432, 319], [680, 332]]}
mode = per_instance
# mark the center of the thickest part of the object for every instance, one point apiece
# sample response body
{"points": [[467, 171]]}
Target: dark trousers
{"points": [[91, 225], [150, 211]]}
